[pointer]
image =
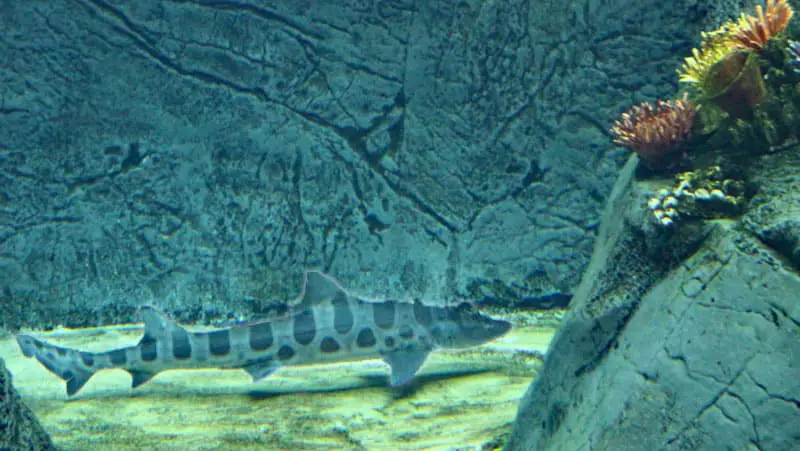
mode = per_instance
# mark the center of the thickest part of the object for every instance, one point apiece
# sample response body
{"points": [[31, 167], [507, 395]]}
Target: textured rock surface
{"points": [[693, 343], [205, 153], [19, 428]]}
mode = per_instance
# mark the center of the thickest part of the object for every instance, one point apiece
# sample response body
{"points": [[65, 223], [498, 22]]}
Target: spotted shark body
{"points": [[328, 325]]}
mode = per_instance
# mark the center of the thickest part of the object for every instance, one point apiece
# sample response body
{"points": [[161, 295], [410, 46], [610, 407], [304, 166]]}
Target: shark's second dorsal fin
{"points": [[155, 323], [319, 288]]}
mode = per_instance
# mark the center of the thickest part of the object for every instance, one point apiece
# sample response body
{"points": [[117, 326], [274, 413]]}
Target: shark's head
{"points": [[464, 327]]}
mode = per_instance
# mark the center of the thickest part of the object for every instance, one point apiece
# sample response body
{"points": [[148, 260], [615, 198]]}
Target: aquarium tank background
{"points": [[399, 225]]}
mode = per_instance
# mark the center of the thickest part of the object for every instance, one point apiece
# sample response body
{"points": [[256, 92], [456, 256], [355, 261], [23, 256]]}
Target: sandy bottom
{"points": [[460, 400]]}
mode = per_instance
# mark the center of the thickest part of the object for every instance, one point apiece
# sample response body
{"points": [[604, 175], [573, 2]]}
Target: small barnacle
{"points": [[667, 222], [663, 192], [687, 176], [683, 187], [670, 202], [717, 194], [702, 194], [794, 55], [712, 196], [731, 186], [653, 203]]}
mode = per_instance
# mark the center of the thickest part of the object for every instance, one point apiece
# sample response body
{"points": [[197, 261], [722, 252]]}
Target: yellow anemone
{"points": [[714, 47]]}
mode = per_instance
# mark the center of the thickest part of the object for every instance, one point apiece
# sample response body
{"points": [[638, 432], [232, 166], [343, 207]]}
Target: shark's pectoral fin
{"points": [[77, 381], [260, 369], [140, 377], [405, 364]]}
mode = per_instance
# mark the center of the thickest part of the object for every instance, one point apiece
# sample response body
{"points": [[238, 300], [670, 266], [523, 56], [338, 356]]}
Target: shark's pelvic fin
{"points": [[260, 369], [319, 288], [405, 365]]}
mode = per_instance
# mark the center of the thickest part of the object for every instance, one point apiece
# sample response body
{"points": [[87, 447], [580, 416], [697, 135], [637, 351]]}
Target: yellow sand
{"points": [[464, 400]]}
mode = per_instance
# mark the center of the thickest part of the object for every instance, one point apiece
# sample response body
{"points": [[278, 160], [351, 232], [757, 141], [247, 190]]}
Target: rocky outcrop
{"points": [[19, 428], [203, 154], [680, 340]]}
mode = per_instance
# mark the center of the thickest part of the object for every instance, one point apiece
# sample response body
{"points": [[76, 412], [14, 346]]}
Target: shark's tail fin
{"points": [[27, 345], [63, 362]]}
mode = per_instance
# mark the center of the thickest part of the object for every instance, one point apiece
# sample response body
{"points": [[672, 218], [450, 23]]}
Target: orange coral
{"points": [[752, 33], [654, 131]]}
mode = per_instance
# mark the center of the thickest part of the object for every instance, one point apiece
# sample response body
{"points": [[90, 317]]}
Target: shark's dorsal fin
{"points": [[319, 288], [405, 364], [156, 323]]}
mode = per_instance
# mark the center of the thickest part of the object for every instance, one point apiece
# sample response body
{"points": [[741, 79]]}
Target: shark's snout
{"points": [[499, 327], [470, 330]]}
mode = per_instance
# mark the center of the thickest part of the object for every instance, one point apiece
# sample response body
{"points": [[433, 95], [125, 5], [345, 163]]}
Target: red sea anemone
{"points": [[753, 32], [655, 131]]}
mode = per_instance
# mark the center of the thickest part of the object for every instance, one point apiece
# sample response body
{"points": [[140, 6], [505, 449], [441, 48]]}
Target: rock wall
{"points": [[203, 154], [689, 342], [19, 428]]}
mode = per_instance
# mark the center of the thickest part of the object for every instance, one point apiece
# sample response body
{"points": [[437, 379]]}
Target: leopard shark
{"points": [[327, 325]]}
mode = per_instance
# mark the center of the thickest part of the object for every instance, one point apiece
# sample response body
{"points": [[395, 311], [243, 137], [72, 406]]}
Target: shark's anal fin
{"points": [[405, 364], [77, 381], [259, 369], [139, 377]]}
